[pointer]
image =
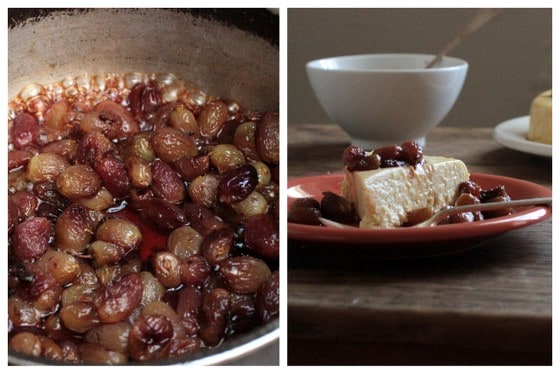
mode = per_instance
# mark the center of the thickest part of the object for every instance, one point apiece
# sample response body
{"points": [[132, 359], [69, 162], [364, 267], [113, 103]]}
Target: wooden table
{"points": [[488, 305]]}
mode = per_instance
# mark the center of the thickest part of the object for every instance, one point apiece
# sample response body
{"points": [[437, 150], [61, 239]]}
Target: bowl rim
{"points": [[318, 64]]}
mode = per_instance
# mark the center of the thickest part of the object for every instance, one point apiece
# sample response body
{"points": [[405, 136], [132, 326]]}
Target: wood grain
{"points": [[488, 305]]}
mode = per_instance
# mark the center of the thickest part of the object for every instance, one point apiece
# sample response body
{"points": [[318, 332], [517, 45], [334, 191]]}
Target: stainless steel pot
{"points": [[231, 53]]}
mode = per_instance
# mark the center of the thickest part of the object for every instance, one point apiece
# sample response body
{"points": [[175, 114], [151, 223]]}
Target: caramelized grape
{"points": [[202, 219], [144, 99], [184, 242], [58, 266], [191, 167], [116, 122], [412, 152], [100, 202], [66, 148], [22, 312], [104, 122], [149, 336], [225, 157], [113, 337], [171, 144], [203, 190], [139, 145], [78, 182], [308, 202], [152, 289], [268, 298], [337, 208], [57, 119], [166, 184], [24, 203], [120, 232], [195, 270], [105, 253], [114, 175], [243, 312], [25, 130], [79, 292], [353, 157], [262, 236], [119, 298], [18, 158], [79, 316], [27, 343], [215, 307], [184, 120], [162, 214], [74, 228], [31, 238], [357, 159], [252, 205], [93, 147], [470, 187], [212, 118], [467, 199], [498, 191], [244, 274], [217, 245], [227, 132], [45, 167], [304, 215], [139, 172], [35, 345], [267, 138], [188, 308], [390, 152], [167, 269], [47, 192], [244, 140], [235, 185]]}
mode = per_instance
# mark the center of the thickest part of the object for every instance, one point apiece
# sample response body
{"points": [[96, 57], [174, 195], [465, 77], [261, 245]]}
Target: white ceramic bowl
{"points": [[381, 99]]}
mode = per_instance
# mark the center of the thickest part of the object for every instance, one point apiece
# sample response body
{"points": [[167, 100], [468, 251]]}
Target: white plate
{"points": [[513, 134]]}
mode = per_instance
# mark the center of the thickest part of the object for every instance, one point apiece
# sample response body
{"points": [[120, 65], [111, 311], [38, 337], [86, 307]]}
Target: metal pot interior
{"points": [[231, 53]]}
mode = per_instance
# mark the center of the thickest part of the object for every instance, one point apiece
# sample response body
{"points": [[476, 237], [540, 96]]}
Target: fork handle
{"points": [[490, 206]]}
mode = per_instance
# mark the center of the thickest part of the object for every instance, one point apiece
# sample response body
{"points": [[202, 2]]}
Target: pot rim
{"points": [[234, 348]]}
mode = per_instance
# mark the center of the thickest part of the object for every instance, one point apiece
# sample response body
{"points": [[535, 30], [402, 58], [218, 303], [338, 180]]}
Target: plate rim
{"points": [[454, 232], [506, 133]]}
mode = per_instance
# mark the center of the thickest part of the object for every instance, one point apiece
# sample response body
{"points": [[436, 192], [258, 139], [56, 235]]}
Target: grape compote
{"points": [[142, 219]]}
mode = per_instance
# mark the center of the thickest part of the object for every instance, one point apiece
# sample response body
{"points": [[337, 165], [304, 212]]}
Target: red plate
{"points": [[415, 241]]}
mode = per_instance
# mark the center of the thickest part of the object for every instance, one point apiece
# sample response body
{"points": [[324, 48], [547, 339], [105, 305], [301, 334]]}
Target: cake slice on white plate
{"points": [[540, 123]]}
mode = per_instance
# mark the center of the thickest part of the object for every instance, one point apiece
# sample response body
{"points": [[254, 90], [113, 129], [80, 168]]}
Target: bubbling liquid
{"points": [[87, 90]]}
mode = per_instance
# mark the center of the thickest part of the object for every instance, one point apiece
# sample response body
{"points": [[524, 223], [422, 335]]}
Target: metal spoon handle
{"points": [[485, 207], [480, 18]]}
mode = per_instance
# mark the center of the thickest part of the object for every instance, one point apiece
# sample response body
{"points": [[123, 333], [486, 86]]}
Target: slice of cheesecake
{"points": [[382, 197]]}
